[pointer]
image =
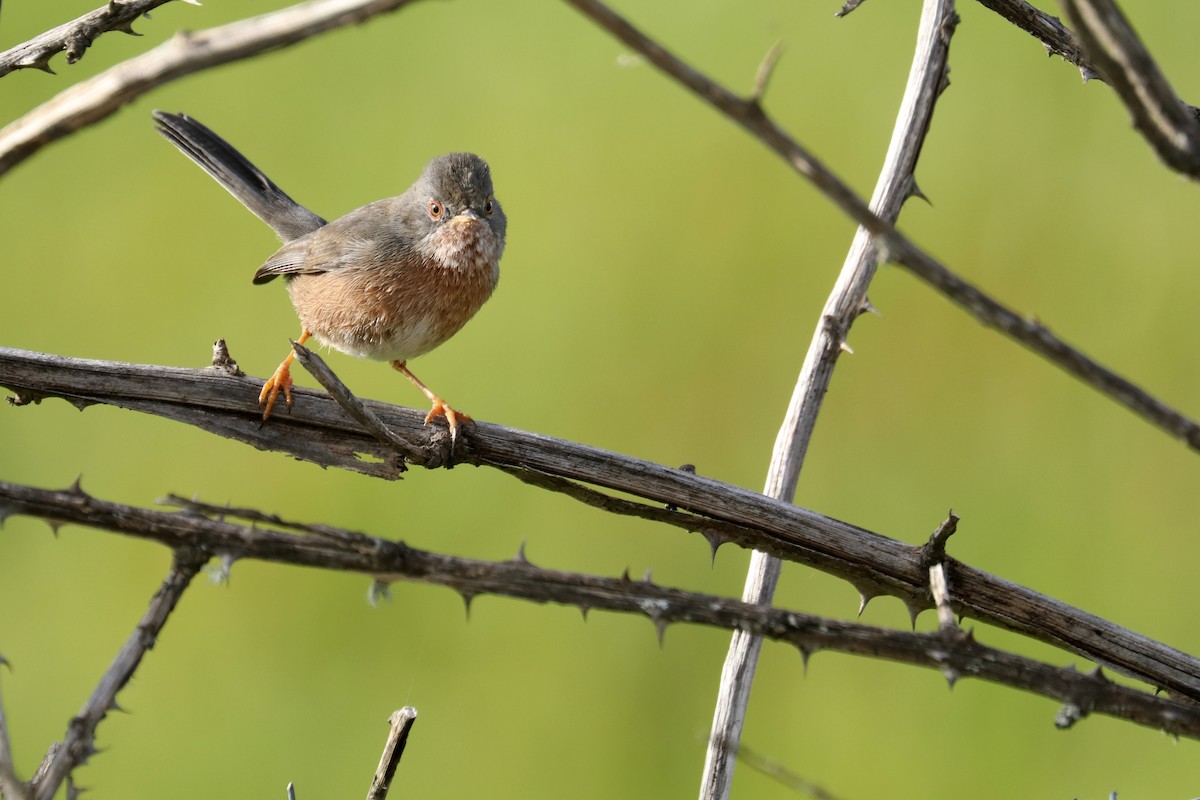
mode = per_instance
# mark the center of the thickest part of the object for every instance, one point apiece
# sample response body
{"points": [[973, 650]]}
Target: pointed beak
{"points": [[469, 213]]}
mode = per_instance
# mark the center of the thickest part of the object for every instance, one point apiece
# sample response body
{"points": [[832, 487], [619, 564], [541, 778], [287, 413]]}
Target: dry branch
{"points": [[1116, 53], [76, 36], [318, 430], [92, 100], [847, 300], [207, 531], [893, 245], [78, 745]]}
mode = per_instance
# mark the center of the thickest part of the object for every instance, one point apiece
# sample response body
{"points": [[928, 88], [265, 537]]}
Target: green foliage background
{"points": [[663, 276]]}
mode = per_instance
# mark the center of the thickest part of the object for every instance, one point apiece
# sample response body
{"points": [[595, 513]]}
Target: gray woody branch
{"points": [[201, 528], [847, 300], [92, 100], [76, 36], [318, 430]]}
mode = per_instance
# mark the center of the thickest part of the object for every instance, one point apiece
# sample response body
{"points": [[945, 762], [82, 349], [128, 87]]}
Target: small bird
{"points": [[389, 281]]}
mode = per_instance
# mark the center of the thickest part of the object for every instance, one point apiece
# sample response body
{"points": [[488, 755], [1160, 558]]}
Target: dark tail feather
{"points": [[242, 179]]}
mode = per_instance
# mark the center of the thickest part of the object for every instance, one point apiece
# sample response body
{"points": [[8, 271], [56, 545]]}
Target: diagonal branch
{"points": [[76, 36], [952, 653], [318, 430], [92, 100], [78, 745], [893, 245], [1118, 55], [926, 80]]}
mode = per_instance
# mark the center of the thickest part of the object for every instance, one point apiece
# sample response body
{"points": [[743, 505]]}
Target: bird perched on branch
{"points": [[389, 281]]}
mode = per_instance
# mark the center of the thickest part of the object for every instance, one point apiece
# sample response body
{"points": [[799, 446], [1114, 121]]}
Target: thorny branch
{"points": [[848, 299], [893, 245], [78, 745], [318, 430], [76, 36], [206, 532], [94, 99], [1167, 123]]}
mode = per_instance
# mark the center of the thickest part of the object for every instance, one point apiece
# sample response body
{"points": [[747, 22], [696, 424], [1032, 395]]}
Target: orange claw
{"points": [[280, 381], [440, 407]]}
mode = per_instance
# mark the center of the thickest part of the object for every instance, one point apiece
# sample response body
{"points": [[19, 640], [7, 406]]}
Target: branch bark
{"points": [[204, 531], [318, 430], [92, 100], [76, 36], [848, 299]]}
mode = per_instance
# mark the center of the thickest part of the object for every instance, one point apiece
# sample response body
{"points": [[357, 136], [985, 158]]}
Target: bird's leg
{"points": [[281, 380], [440, 407]]}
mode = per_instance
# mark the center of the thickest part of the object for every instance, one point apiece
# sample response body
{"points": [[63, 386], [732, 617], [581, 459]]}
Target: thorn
{"points": [[1098, 675], [113, 705], [647, 578], [714, 541], [914, 611], [915, 191], [1087, 73], [584, 611], [80, 403], [657, 610], [625, 576], [845, 348], [77, 487], [5, 513], [660, 630], [378, 592], [848, 7], [765, 70], [864, 596], [4, 662], [951, 675], [520, 558], [467, 598], [865, 307], [805, 655]]}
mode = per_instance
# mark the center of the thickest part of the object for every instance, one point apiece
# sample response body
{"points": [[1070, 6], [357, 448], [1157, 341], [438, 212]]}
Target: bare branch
{"points": [[400, 723], [76, 36], [1048, 30], [317, 430], [948, 652], [92, 100], [1169, 125], [78, 745], [846, 302], [11, 786], [894, 245]]}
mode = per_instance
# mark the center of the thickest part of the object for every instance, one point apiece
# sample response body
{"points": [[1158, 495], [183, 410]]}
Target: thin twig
{"points": [[895, 246], [400, 723], [318, 430], [955, 653], [1117, 53], [76, 36], [78, 745], [92, 100], [845, 303], [11, 787]]}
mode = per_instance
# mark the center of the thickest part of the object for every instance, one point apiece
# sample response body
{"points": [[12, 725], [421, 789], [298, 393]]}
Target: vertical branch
{"points": [[401, 723], [927, 78], [10, 785], [78, 744]]}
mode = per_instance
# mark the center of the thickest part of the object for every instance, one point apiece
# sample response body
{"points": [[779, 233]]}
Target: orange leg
{"points": [[281, 380], [440, 407]]}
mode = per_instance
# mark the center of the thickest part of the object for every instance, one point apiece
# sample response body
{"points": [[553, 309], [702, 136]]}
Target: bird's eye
{"points": [[435, 210], [488, 207]]}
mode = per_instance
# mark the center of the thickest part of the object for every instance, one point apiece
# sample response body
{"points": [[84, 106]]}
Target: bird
{"points": [[389, 281]]}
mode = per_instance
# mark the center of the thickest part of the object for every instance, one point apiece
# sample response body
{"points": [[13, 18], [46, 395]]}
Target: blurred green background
{"points": [[663, 276]]}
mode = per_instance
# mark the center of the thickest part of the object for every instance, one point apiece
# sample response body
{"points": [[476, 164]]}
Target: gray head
{"points": [[456, 214]]}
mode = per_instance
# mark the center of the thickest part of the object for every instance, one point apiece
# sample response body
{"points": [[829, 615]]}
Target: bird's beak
{"points": [[469, 213]]}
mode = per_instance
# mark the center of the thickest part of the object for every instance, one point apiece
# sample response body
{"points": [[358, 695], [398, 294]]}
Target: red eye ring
{"points": [[435, 210]]}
